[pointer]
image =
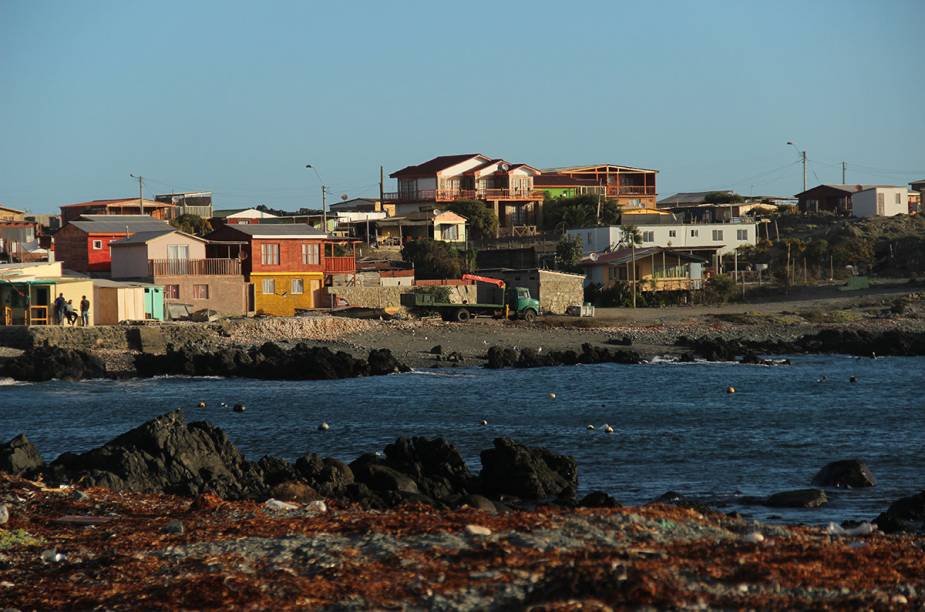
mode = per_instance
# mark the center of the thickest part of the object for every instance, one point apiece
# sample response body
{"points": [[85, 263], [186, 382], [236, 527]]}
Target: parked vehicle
{"points": [[521, 305]]}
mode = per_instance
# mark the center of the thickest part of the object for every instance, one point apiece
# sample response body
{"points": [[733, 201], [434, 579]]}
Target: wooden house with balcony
{"points": [[287, 264], [629, 187], [652, 269], [505, 187], [177, 262], [119, 206]]}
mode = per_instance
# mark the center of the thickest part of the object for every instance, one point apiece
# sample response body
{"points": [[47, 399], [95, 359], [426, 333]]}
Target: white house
{"points": [[880, 201], [721, 238]]}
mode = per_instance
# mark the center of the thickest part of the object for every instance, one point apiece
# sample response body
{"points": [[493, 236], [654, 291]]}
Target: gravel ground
{"points": [[98, 549]]}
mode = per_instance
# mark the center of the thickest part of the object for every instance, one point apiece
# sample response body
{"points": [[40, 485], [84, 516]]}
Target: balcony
{"points": [[452, 195], [630, 190], [194, 267], [340, 264]]}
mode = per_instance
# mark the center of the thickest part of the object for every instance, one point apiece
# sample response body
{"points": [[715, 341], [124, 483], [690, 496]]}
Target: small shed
{"points": [[124, 301]]}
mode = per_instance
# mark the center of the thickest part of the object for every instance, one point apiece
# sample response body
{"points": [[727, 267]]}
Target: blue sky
{"points": [[236, 97]]}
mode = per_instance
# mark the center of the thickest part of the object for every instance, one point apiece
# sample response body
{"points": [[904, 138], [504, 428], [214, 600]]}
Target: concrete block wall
{"points": [[559, 290]]}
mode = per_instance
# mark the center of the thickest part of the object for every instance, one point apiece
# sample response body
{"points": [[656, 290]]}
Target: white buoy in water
{"points": [[324, 426], [239, 407], [730, 389], [201, 404], [608, 428], [590, 427], [551, 395], [483, 422]]}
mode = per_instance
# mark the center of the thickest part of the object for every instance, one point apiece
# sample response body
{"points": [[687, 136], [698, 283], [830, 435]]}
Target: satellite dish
{"points": [[593, 256], [343, 197], [505, 166]]}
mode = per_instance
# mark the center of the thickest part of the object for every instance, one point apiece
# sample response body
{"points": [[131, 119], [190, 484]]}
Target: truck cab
{"points": [[525, 305]]}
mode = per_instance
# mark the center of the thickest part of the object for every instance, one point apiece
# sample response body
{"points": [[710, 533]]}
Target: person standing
{"points": [[84, 311], [59, 309]]}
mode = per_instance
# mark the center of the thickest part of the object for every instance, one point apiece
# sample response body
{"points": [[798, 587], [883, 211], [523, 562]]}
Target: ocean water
{"points": [[676, 428]]}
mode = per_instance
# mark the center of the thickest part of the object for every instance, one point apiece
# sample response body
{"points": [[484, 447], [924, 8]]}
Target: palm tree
{"points": [[629, 235]]}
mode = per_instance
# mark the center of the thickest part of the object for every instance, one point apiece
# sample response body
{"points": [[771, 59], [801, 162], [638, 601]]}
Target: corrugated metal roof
{"points": [[142, 237], [282, 230], [119, 227]]}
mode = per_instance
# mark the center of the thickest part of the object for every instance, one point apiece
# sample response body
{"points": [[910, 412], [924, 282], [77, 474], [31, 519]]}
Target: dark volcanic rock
{"points": [[327, 475], [48, 362], [20, 457], [802, 498], [511, 468], [381, 361], [165, 455], [851, 473], [434, 464], [598, 499], [904, 515], [275, 470], [531, 358], [269, 361]]}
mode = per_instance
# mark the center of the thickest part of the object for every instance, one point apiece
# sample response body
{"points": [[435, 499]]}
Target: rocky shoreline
{"points": [[171, 514]]}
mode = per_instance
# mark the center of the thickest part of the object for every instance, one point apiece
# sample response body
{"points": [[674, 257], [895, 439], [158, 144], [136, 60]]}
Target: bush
{"points": [[569, 252], [192, 224], [720, 289], [482, 221], [433, 259], [580, 211]]}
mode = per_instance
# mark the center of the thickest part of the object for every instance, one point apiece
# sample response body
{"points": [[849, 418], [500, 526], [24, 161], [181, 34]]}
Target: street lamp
{"points": [[802, 157], [324, 199]]}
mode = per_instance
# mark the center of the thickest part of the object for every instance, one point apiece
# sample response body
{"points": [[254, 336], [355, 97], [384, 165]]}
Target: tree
{"points": [[580, 211], [432, 259], [569, 252], [722, 197], [482, 220], [192, 224]]}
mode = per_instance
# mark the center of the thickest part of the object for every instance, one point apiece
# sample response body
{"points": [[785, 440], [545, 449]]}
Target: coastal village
{"points": [[466, 230]]}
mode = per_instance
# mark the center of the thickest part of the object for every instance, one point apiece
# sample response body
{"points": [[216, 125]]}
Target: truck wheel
{"points": [[462, 315], [529, 315]]}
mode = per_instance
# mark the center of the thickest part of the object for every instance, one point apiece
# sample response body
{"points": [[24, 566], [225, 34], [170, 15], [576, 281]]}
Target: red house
{"points": [[287, 263], [83, 246], [120, 207]]}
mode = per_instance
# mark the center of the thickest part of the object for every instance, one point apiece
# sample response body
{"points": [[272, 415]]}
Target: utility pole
{"points": [[324, 209], [141, 191], [381, 187], [803, 155], [844, 168]]}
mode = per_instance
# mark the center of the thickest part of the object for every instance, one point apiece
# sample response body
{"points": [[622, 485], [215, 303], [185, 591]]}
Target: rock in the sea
{"points": [[511, 468], [905, 515], [851, 473], [598, 499], [165, 455], [326, 475], [44, 363], [434, 464], [381, 361], [371, 471], [801, 498], [20, 457]]}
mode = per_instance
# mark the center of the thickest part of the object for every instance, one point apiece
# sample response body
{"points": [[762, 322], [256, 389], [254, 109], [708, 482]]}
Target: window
{"points": [[898, 198], [695, 233], [449, 232], [200, 292], [717, 235], [310, 254], [97, 245], [297, 287], [269, 254], [172, 292], [648, 236], [672, 233], [177, 251], [268, 286], [742, 234], [879, 199]]}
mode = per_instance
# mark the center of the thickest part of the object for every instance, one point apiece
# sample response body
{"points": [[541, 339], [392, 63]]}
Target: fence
{"points": [[194, 267]]}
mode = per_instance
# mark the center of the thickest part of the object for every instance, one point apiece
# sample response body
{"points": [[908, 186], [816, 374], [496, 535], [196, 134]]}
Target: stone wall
{"points": [[559, 290], [370, 297]]}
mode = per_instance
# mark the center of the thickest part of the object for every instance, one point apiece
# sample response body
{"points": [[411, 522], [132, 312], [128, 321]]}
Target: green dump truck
{"points": [[521, 305]]}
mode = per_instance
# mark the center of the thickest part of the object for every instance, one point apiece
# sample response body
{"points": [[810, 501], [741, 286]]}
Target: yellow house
{"points": [[283, 293], [28, 292]]}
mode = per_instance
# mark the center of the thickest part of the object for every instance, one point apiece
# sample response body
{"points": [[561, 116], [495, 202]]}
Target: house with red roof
{"points": [[118, 206], [505, 187], [83, 245]]}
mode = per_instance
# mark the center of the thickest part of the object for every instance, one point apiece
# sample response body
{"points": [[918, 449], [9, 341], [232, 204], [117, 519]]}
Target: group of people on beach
{"points": [[64, 310]]}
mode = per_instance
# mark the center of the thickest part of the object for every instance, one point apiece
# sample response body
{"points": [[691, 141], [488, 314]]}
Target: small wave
{"points": [[441, 374], [10, 382]]}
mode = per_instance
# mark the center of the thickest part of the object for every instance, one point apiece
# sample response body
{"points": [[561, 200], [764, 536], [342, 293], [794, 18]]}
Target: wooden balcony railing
{"points": [[451, 195], [340, 264], [194, 267], [627, 190]]}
